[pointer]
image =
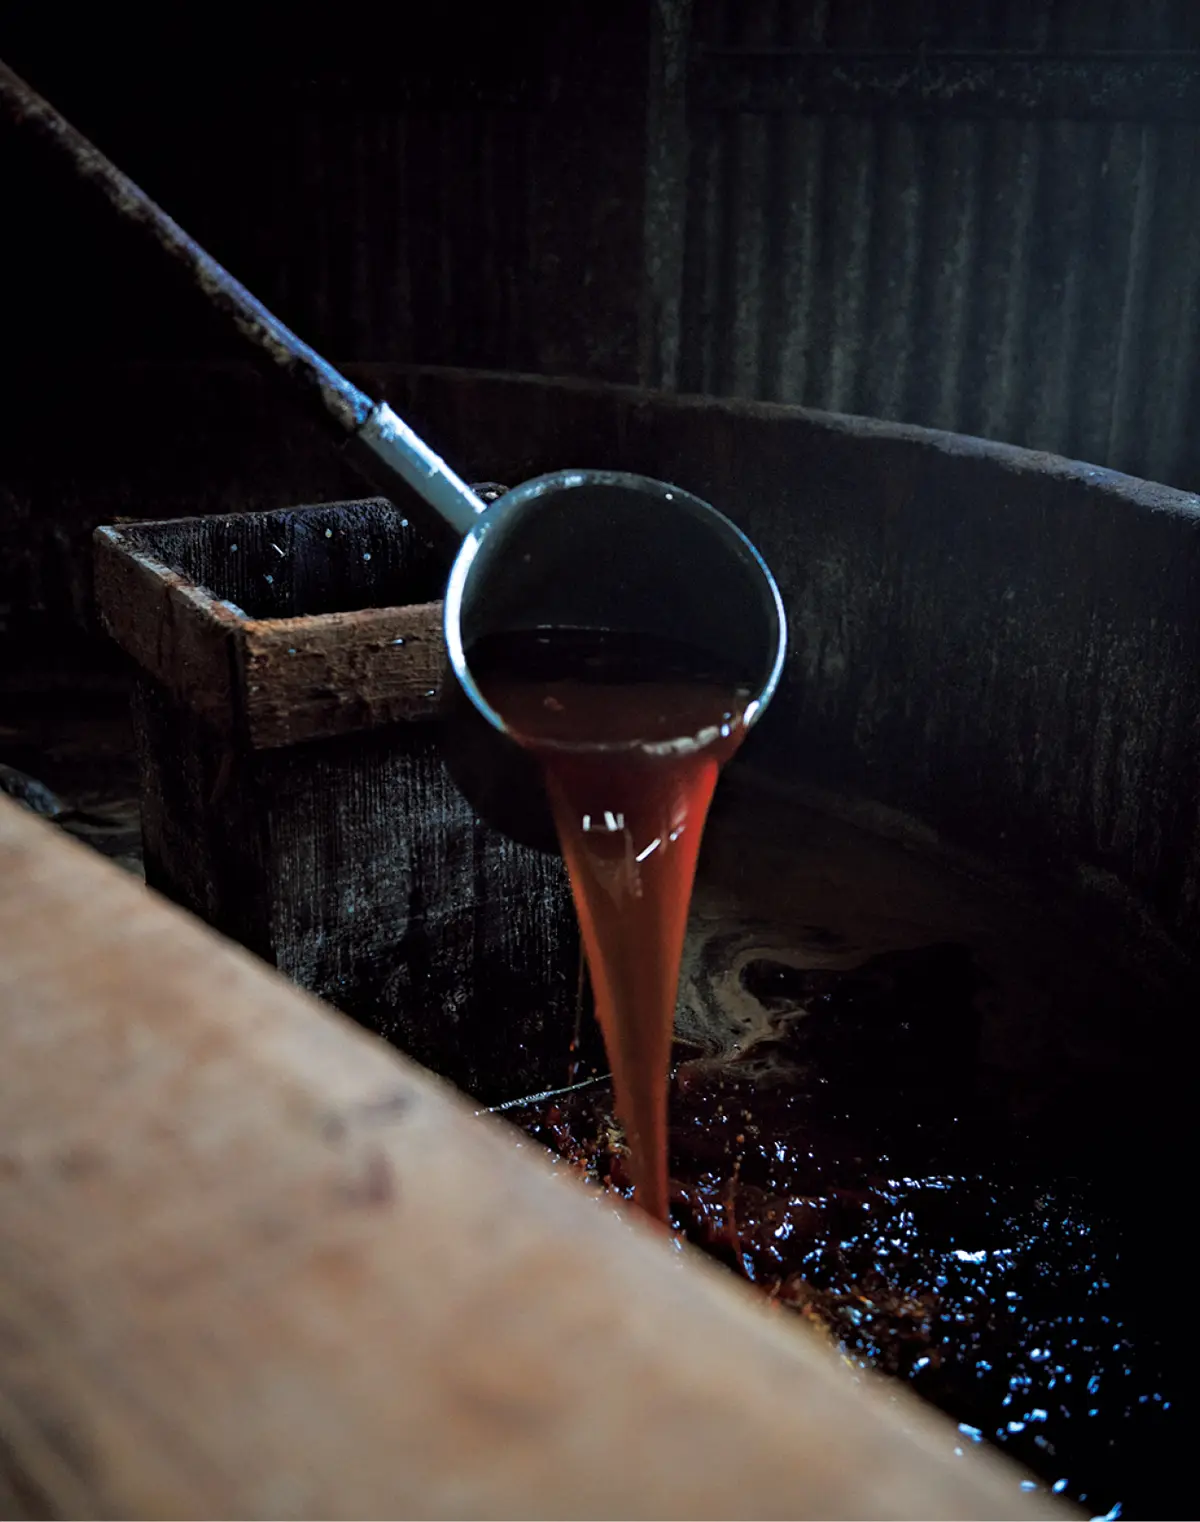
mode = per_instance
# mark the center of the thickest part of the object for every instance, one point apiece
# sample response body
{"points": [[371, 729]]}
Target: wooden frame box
{"points": [[288, 673]]}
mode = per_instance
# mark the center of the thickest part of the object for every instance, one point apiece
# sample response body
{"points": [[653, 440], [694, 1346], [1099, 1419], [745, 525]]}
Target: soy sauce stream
{"points": [[631, 731]]}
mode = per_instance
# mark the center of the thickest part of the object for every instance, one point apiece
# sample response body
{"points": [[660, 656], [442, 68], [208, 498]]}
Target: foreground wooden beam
{"points": [[254, 1264]]}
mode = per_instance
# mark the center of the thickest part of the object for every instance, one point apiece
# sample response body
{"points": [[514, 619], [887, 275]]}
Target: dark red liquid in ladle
{"points": [[631, 732]]}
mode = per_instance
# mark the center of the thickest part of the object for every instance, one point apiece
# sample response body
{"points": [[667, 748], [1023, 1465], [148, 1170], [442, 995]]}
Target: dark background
{"points": [[971, 214], [422, 183]]}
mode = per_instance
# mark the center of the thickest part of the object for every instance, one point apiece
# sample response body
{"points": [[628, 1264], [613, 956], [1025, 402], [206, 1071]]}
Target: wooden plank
{"points": [[340, 673], [205, 831], [179, 633], [389, 898], [254, 1264], [272, 679]]}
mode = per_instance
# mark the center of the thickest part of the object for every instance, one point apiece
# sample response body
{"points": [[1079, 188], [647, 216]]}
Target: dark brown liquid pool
{"points": [[927, 1115]]}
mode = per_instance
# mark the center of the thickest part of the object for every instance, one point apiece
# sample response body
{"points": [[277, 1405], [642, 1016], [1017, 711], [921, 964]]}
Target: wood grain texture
{"points": [[390, 897], [254, 1264], [294, 796], [339, 673], [178, 632], [204, 830], [354, 865], [280, 627]]}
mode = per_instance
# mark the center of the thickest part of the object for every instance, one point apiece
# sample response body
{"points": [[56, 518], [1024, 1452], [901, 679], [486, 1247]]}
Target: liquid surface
{"points": [[631, 732], [926, 1117]]}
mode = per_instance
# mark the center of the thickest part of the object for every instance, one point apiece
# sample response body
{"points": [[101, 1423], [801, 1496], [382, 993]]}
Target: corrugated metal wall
{"points": [[981, 217]]}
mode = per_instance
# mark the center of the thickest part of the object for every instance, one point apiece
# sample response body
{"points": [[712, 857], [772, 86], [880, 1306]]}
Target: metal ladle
{"points": [[582, 548]]}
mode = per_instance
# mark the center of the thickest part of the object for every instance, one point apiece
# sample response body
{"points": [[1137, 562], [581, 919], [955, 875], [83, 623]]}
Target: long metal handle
{"points": [[386, 449]]}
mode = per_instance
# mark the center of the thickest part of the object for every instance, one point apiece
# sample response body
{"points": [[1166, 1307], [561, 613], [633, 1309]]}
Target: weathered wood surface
{"points": [[280, 627], [338, 673], [355, 866], [169, 626], [254, 1264]]}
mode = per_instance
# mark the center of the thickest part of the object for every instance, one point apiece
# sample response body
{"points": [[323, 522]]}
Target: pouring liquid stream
{"points": [[631, 732]]}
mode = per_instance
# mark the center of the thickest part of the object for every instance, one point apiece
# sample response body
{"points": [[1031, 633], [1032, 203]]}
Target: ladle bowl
{"points": [[604, 551]]}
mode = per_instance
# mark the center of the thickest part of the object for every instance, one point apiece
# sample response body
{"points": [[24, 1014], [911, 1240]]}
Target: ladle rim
{"points": [[565, 480]]}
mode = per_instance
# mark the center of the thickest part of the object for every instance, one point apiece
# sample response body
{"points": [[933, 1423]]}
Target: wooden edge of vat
{"points": [[253, 1263], [335, 673]]}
